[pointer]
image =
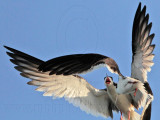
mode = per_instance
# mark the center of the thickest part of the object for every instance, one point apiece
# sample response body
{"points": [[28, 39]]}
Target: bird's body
{"points": [[122, 101], [74, 89]]}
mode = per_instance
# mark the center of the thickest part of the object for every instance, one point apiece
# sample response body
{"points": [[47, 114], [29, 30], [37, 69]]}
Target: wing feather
{"points": [[142, 46], [65, 65], [78, 64], [73, 88]]}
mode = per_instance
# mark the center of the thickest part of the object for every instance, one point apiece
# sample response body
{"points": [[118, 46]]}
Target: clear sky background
{"points": [[51, 28]]}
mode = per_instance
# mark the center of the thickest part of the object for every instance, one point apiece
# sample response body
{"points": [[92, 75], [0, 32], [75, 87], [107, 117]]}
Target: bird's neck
{"points": [[121, 78], [112, 90]]}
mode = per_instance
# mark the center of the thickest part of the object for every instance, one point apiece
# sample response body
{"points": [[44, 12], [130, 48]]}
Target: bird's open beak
{"points": [[108, 81]]}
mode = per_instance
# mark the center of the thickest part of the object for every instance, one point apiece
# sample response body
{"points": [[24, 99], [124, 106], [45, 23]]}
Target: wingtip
{"points": [[30, 83], [13, 61], [18, 68], [10, 54], [24, 75], [150, 24], [6, 47], [144, 9], [139, 5], [147, 16], [153, 46], [153, 35], [10, 49]]}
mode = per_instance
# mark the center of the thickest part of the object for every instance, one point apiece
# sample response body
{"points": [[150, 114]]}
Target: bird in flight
{"points": [[124, 102], [59, 77], [76, 90]]}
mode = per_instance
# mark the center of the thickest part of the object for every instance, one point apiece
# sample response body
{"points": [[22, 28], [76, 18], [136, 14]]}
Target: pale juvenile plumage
{"points": [[124, 102]]}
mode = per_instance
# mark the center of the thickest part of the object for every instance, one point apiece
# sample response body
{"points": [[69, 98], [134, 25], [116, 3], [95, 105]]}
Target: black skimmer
{"points": [[70, 65], [78, 91], [75, 89], [124, 102]]}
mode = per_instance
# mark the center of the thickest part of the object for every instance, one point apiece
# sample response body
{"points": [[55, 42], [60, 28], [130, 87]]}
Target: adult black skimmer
{"points": [[75, 89], [67, 67], [78, 91]]}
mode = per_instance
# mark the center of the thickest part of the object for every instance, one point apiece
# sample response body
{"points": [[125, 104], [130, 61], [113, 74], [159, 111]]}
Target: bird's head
{"points": [[108, 80]]}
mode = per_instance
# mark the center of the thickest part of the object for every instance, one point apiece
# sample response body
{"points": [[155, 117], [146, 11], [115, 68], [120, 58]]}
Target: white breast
{"points": [[122, 101]]}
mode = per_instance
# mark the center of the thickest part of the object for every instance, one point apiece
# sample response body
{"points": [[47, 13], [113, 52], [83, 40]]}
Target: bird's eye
{"points": [[104, 78]]}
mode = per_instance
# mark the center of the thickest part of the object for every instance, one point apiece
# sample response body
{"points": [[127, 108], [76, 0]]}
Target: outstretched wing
{"points": [[142, 46], [73, 88], [78, 64]]}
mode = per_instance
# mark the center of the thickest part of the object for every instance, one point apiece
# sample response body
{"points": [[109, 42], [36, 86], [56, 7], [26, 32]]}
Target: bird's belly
{"points": [[122, 102], [125, 103]]}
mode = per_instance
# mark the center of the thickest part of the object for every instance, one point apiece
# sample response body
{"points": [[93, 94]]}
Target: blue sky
{"points": [[51, 28]]}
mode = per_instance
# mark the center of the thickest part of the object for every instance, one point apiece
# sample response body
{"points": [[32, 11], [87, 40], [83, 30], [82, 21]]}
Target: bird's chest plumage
{"points": [[122, 101], [112, 92]]}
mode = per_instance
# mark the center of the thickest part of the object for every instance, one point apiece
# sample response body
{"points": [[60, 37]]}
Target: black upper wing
{"points": [[23, 57], [66, 65], [77, 64]]}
